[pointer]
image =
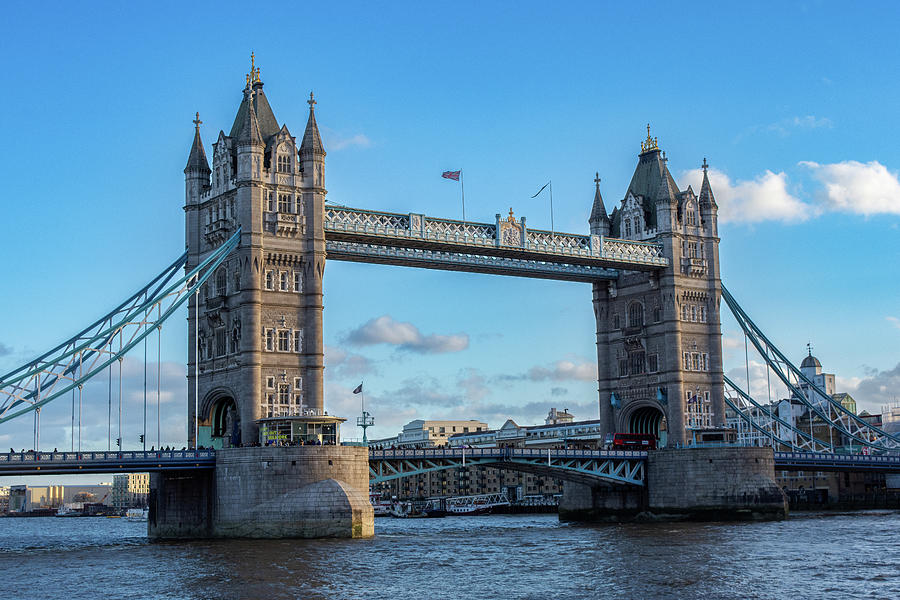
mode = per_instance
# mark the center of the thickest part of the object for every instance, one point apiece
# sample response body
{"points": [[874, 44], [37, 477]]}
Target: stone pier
{"points": [[699, 484], [267, 492]]}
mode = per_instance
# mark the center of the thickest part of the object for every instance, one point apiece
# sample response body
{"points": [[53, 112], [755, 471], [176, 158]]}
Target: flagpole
{"points": [[462, 188], [551, 208]]}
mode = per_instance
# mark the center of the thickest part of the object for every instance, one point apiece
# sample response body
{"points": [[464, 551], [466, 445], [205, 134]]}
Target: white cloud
{"points": [[855, 187], [785, 126], [335, 141], [565, 370], [765, 198], [406, 336], [894, 321]]}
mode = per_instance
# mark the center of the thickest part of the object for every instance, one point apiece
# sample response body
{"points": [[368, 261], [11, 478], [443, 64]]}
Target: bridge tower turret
{"points": [[260, 325], [659, 343], [312, 161]]}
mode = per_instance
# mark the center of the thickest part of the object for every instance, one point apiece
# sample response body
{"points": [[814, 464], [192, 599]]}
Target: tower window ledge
{"points": [[217, 231]]}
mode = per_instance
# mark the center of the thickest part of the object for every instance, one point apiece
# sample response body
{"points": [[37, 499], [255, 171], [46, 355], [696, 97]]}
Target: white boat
{"points": [[481, 504], [137, 514], [381, 508]]}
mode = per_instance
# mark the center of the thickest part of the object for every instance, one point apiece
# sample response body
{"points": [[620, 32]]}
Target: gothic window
{"points": [[298, 383], [284, 203], [298, 340], [221, 277], [284, 163], [637, 225], [237, 280], [686, 359], [652, 363], [298, 282], [684, 312], [657, 315], [284, 393], [284, 340], [691, 217], [270, 202], [693, 313], [270, 383], [627, 228], [616, 324], [284, 281], [270, 340], [702, 314], [220, 341], [623, 367], [210, 347], [233, 342], [635, 363], [636, 315], [270, 280]]}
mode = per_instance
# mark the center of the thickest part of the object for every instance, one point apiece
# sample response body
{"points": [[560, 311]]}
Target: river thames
{"points": [[811, 555]]}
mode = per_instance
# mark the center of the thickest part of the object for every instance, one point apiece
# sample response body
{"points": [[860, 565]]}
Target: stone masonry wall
{"points": [[181, 504], [298, 491], [715, 483]]}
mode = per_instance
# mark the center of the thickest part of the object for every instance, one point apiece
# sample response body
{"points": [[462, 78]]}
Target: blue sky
{"points": [[793, 104]]}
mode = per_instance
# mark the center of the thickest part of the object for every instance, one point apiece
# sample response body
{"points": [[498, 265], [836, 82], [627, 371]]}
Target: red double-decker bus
{"points": [[631, 441]]}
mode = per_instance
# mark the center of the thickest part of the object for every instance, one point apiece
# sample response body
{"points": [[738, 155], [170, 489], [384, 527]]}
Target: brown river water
{"points": [[811, 555]]}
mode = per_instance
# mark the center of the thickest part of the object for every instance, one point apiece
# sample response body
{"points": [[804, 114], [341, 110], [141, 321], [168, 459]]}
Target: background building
{"points": [[131, 490], [559, 429], [427, 434]]}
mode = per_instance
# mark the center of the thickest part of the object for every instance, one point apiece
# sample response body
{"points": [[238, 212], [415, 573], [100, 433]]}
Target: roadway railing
{"points": [[840, 461], [505, 453], [76, 457]]}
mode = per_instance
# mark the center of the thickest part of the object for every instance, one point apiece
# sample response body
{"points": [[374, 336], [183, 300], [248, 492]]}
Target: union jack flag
{"points": [[454, 175]]}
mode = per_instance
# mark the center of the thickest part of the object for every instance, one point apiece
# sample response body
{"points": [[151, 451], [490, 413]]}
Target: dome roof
{"points": [[810, 361]]}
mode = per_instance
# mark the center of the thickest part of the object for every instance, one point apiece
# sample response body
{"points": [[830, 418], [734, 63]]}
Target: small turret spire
{"points": [[197, 161], [312, 141], [599, 220], [249, 132], [706, 194]]}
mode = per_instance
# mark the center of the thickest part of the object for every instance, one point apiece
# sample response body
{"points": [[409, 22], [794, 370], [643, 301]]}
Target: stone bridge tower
{"points": [[260, 325], [659, 339]]}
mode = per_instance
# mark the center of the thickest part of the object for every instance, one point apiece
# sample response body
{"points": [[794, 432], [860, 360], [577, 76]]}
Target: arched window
{"points": [[627, 228], [636, 315], [221, 285]]}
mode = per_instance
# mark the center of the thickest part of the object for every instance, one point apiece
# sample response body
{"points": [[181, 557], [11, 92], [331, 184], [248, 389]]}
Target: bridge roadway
{"points": [[617, 466]]}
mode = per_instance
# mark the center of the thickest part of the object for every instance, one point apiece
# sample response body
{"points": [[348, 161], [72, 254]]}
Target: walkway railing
{"points": [[506, 453], [398, 229], [826, 460], [134, 461]]}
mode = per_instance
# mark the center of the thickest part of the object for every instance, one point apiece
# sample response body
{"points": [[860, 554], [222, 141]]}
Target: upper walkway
{"points": [[505, 247]]}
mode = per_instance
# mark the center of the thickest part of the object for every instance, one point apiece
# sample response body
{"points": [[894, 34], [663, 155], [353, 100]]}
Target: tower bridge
{"points": [[259, 234]]}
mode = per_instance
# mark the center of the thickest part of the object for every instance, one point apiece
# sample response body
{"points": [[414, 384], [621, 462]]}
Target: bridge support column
{"points": [[268, 492], [729, 483], [181, 504], [698, 484], [600, 502]]}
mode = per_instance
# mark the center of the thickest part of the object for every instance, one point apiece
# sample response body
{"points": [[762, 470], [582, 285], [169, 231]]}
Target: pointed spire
{"points": [[706, 193], [598, 210], [249, 133], [197, 159], [312, 142], [665, 191]]}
